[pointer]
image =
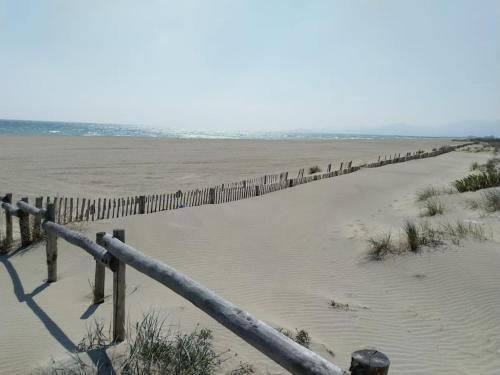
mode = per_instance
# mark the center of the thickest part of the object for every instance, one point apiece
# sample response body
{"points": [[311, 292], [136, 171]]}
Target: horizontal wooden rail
{"points": [[75, 238], [284, 351], [26, 207], [12, 210]]}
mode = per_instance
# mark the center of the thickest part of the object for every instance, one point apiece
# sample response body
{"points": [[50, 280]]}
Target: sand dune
{"points": [[284, 257]]}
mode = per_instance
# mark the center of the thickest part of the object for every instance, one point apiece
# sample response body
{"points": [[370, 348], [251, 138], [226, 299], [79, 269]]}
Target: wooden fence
{"points": [[111, 251], [71, 209]]}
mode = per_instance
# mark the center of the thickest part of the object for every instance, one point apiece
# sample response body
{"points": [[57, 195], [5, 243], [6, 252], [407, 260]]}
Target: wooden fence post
{"points": [[212, 195], [100, 273], [37, 221], [257, 190], [24, 225], [119, 293], [369, 362], [142, 204], [8, 226], [51, 245]]}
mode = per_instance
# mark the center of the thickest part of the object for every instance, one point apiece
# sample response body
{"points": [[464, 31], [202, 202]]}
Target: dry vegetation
{"points": [[152, 348], [300, 336], [414, 237]]}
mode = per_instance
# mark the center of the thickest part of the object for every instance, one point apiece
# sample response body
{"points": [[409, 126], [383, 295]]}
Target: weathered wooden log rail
{"points": [[82, 209], [111, 251]]}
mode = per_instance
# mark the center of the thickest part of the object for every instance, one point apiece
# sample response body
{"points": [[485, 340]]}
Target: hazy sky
{"points": [[251, 65]]}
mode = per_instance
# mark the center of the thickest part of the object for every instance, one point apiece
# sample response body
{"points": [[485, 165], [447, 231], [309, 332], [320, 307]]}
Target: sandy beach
{"points": [[283, 257], [121, 166]]}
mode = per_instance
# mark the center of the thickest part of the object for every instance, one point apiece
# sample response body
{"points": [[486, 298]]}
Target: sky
{"points": [[348, 65]]}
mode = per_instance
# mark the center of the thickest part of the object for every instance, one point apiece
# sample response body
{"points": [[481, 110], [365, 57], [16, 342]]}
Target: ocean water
{"points": [[23, 127]]}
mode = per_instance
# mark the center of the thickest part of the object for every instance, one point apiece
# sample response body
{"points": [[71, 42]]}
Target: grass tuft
{"points": [[314, 169], [412, 236], [475, 182], [380, 247], [474, 166], [426, 193], [433, 207], [153, 348], [299, 336], [491, 200], [418, 236]]}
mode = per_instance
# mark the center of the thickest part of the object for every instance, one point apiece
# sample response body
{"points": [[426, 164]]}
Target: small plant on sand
{"points": [[474, 166], [491, 200], [96, 337], [314, 169], [339, 306], [412, 234], [380, 246], [426, 193], [461, 230], [153, 348], [243, 369], [432, 207], [299, 336], [491, 165]]}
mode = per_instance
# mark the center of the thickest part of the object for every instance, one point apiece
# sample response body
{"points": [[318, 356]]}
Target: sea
{"points": [[33, 128]]}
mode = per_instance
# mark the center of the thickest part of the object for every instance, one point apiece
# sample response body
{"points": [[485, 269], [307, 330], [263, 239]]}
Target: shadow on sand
{"points": [[98, 357]]}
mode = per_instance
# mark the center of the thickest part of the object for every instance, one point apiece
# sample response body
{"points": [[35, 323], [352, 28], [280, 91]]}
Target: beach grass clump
{"points": [[491, 165], [380, 247], [412, 235], [455, 232], [491, 200], [314, 169], [300, 336], [433, 207], [427, 192], [474, 166], [475, 182], [417, 236], [153, 348]]}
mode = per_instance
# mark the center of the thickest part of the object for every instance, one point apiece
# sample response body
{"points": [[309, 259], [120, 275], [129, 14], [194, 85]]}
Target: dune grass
{"points": [[314, 169], [491, 200], [380, 247], [475, 182], [412, 233], [426, 193], [432, 207], [300, 336], [153, 348], [414, 237], [474, 166]]}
